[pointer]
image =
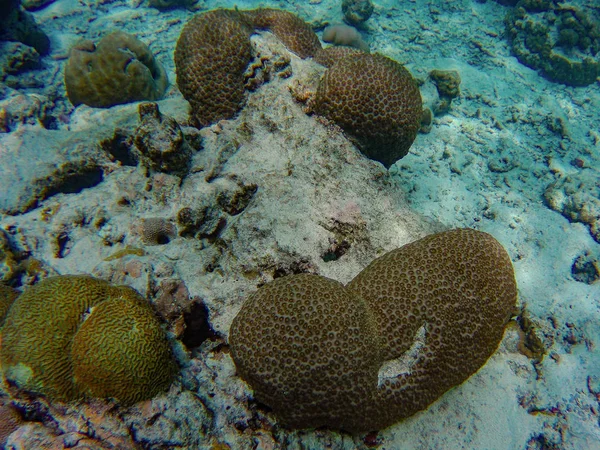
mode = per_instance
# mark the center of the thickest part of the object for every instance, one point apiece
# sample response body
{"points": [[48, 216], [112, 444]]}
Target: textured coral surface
{"points": [[120, 69], [71, 336], [211, 56], [376, 101], [296, 34], [414, 323]]}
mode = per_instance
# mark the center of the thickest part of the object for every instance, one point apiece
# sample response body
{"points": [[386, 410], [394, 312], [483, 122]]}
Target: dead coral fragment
{"points": [[120, 69], [413, 324]]}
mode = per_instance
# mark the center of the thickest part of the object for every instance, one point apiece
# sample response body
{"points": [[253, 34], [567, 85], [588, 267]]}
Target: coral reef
{"points": [[72, 336], [213, 52], [414, 323], [211, 56], [376, 101], [558, 39], [120, 69], [356, 12]]}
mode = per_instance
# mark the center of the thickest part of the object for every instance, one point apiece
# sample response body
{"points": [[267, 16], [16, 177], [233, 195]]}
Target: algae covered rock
{"points": [[413, 324], [357, 11], [70, 337], [120, 69], [160, 142]]}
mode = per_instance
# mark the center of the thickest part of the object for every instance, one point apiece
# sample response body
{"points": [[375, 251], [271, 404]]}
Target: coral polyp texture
{"points": [[71, 337], [120, 69], [376, 101], [295, 34], [7, 297], [213, 52], [372, 98], [413, 324], [211, 56]]}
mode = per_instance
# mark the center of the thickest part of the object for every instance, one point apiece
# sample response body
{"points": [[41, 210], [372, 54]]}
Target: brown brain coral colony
{"points": [[413, 324], [372, 98], [376, 101]]}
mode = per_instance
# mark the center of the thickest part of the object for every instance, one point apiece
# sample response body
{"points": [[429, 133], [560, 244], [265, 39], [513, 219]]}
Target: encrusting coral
{"points": [[373, 98], [75, 336], [120, 69], [413, 324]]}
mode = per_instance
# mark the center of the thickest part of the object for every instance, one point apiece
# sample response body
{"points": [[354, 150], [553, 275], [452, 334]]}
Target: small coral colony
{"points": [[354, 357]]}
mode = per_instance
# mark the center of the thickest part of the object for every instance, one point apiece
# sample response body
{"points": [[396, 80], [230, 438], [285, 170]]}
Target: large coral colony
{"points": [[357, 357]]}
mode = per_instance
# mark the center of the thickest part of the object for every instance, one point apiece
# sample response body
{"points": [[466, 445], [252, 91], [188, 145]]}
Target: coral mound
{"points": [[213, 52], [120, 69], [211, 56], [376, 101], [371, 97], [416, 322], [76, 336]]}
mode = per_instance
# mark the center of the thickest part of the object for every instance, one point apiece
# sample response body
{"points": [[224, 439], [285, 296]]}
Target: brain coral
{"points": [[120, 69], [416, 322], [375, 101], [282, 343], [74, 336]]}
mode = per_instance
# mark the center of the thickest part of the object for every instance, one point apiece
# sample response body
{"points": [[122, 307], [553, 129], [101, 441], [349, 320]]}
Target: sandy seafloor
{"points": [[512, 145]]}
